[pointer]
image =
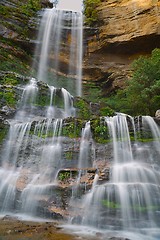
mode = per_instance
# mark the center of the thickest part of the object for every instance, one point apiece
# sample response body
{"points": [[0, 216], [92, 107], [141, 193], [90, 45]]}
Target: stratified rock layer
{"points": [[127, 29]]}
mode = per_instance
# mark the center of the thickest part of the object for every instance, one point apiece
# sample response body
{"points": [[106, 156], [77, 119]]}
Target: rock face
{"points": [[127, 29], [18, 30]]}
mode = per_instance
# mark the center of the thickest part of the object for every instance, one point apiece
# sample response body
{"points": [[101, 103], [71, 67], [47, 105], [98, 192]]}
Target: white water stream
{"points": [[129, 203], [59, 48]]}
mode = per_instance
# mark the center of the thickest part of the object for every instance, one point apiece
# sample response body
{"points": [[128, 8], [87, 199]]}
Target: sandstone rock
{"points": [[127, 29], [125, 21]]}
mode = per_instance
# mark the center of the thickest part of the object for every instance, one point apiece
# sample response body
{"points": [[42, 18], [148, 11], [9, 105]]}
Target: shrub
{"points": [[90, 11], [142, 95]]}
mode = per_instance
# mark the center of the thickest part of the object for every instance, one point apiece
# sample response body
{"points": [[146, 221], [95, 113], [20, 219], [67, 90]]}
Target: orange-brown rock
{"points": [[127, 29], [126, 20]]}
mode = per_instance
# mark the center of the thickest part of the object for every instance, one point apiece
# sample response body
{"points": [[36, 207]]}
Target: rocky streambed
{"points": [[15, 229]]}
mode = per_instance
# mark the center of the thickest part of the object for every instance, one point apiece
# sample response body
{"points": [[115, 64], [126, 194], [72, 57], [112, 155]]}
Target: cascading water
{"points": [[130, 201], [33, 150], [30, 175], [85, 148], [33, 154], [59, 48]]}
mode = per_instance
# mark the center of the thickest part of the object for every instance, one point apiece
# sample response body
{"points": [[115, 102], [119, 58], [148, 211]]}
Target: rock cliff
{"points": [[18, 30], [127, 29]]}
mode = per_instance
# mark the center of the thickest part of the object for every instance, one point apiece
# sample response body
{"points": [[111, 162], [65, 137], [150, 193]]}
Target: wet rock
{"points": [[157, 114], [104, 175], [77, 220], [47, 3]]}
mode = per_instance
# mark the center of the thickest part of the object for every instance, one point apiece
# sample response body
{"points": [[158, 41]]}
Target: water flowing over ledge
{"points": [[60, 34], [43, 173]]}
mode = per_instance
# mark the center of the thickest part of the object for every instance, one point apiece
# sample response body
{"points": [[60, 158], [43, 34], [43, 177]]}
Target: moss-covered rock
{"points": [[72, 127], [10, 91], [4, 126], [82, 108], [18, 26], [99, 130]]}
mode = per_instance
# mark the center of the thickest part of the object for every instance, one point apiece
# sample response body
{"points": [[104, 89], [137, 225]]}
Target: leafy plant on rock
{"points": [[142, 95], [91, 12]]}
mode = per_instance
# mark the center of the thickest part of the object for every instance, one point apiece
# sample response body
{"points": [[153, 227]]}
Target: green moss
{"points": [[5, 10], [113, 205], [100, 131], [110, 204], [72, 128], [145, 208], [92, 92], [8, 97], [16, 19], [13, 58], [69, 155], [83, 108], [3, 132], [31, 7], [9, 81]]}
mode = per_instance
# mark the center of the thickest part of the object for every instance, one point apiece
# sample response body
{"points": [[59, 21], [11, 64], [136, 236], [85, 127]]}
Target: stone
{"points": [[157, 114], [126, 30]]}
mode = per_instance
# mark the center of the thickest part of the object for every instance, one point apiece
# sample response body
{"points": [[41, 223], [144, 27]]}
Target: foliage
{"points": [[63, 176], [30, 7], [106, 111], [72, 128], [99, 130], [83, 108], [13, 58], [9, 81], [90, 11], [7, 97], [142, 95], [92, 92], [15, 18]]}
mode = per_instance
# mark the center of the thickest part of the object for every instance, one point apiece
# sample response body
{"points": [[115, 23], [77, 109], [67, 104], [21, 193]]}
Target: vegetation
{"points": [[100, 131], [7, 97], [72, 127], [83, 108], [31, 6], [64, 176], [110, 204], [91, 12], [15, 18], [138, 208], [3, 132], [142, 95]]}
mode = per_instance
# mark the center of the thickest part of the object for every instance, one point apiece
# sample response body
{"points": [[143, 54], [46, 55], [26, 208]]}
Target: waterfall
{"points": [[85, 148], [130, 200], [59, 48], [34, 150], [32, 153]]}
